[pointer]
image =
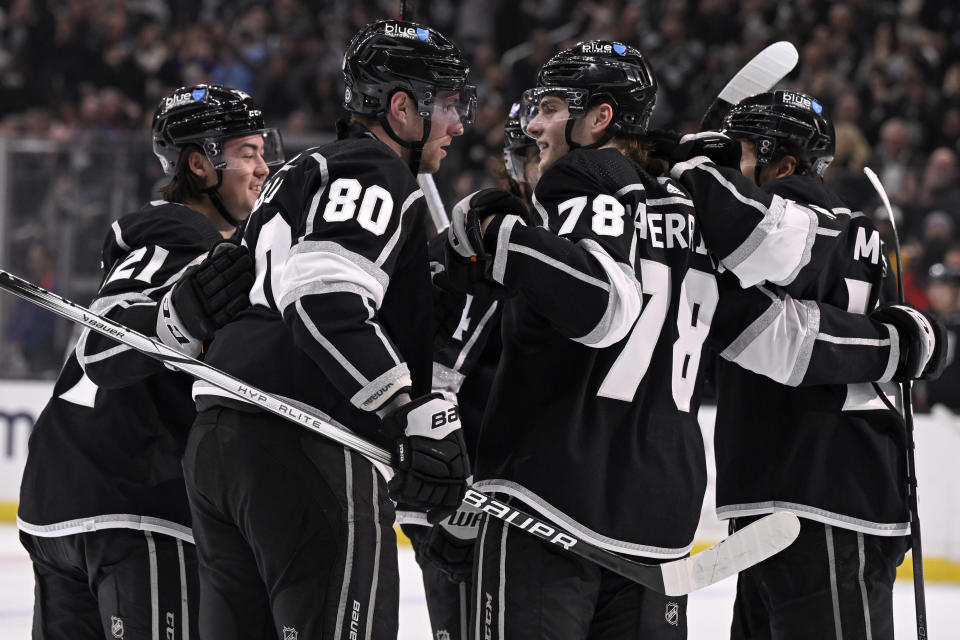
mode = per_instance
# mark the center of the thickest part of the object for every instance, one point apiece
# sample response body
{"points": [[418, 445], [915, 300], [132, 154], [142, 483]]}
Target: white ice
{"points": [[709, 609]]}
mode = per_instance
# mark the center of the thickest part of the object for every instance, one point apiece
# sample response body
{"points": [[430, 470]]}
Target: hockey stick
{"points": [[762, 73], [437, 212], [739, 551], [919, 594]]}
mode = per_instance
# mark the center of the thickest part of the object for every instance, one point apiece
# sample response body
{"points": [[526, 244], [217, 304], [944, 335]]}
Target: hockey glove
{"points": [[923, 341], [468, 264], [432, 465], [206, 297], [450, 543], [721, 150]]}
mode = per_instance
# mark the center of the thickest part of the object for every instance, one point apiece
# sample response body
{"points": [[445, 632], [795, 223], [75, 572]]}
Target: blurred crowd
{"points": [[888, 72]]}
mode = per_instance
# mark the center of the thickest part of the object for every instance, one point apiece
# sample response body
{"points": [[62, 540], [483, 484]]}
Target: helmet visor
{"points": [[451, 107], [543, 105], [245, 150], [516, 159]]}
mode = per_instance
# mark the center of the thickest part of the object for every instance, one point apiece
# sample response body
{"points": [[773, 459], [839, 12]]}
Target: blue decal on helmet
{"points": [[619, 48], [817, 106], [423, 34], [198, 94]]}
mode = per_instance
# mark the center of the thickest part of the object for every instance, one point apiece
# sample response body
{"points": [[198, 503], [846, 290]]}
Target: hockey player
{"points": [[295, 532], [103, 508], [466, 351], [832, 454], [592, 418]]}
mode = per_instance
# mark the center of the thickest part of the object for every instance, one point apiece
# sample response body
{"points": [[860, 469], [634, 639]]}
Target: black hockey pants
{"points": [[527, 588], [116, 583], [830, 583], [294, 533]]}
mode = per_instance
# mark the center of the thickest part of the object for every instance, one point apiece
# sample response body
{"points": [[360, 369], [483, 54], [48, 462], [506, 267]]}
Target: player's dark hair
{"points": [[638, 148], [184, 185]]}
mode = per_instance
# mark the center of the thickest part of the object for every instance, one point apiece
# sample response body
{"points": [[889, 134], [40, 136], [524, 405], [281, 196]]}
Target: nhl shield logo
{"points": [[198, 94], [423, 34], [619, 48], [672, 614], [116, 626], [289, 633]]}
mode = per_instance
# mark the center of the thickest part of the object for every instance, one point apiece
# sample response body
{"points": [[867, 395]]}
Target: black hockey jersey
{"points": [[341, 317], [830, 452], [593, 415], [106, 450]]}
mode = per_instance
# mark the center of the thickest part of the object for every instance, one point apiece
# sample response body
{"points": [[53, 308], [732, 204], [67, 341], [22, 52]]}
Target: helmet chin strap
{"points": [[214, 195], [416, 148], [604, 139]]}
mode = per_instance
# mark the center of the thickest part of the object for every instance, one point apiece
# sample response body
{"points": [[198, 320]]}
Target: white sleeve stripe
{"points": [[103, 355], [661, 202], [833, 233], [779, 343], [103, 305], [894, 359], [544, 216], [315, 203], [637, 186], [326, 344], [339, 267], [378, 329], [560, 266], [476, 335], [118, 236], [413, 197], [726, 184], [865, 342], [623, 304], [503, 245]]}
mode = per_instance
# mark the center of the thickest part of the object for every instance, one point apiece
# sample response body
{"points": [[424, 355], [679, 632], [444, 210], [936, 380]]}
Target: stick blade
{"points": [[762, 73], [754, 543]]}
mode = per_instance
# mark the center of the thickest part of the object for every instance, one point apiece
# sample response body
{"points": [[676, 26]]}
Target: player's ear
{"points": [[786, 166], [600, 117], [400, 107], [198, 164]]}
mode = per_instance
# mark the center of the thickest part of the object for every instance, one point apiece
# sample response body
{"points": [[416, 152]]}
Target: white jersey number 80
{"points": [[698, 301]]}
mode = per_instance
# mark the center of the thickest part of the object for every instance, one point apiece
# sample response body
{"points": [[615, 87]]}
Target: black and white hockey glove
{"points": [[205, 298], [432, 464], [450, 543], [923, 341], [721, 149], [468, 264]]}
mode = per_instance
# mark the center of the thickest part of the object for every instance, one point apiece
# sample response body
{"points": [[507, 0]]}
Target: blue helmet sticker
{"points": [[619, 48], [423, 34], [817, 106], [198, 94]]}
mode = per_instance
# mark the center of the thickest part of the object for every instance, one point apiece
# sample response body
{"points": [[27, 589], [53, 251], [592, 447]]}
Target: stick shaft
{"points": [[678, 577], [919, 592]]}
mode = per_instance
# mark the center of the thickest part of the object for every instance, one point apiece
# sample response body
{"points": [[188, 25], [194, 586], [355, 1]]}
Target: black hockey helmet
{"points": [[207, 116], [772, 117], [598, 71], [391, 55], [516, 145]]}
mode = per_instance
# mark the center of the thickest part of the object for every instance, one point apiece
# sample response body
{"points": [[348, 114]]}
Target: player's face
{"points": [[548, 128], [445, 125], [245, 174]]}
